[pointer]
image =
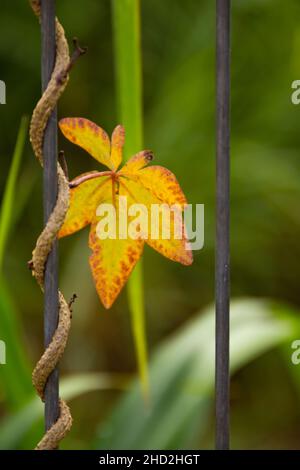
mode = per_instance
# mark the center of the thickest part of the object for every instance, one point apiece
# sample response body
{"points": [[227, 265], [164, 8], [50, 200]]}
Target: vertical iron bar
{"points": [[50, 195], [222, 223]]}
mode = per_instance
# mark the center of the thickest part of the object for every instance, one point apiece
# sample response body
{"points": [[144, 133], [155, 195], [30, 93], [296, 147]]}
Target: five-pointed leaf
{"points": [[113, 258]]}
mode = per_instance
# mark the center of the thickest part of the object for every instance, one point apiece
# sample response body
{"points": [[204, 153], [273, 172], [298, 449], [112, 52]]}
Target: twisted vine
{"points": [[39, 120]]}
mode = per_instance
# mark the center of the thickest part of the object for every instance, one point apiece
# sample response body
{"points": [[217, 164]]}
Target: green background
{"points": [[178, 55]]}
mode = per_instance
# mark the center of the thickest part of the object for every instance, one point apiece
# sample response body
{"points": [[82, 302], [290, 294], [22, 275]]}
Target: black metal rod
{"points": [[222, 223], [50, 195]]}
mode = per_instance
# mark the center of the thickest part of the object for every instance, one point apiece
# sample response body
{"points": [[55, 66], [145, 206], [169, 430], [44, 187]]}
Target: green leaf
{"points": [[15, 428], [126, 27], [182, 377]]}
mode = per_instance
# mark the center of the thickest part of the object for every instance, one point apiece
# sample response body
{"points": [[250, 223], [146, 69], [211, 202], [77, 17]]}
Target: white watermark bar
{"points": [[2, 92], [2, 352], [295, 357], [153, 222]]}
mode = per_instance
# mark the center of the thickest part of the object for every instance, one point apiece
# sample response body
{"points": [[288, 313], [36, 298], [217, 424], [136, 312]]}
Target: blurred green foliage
{"points": [[179, 104]]}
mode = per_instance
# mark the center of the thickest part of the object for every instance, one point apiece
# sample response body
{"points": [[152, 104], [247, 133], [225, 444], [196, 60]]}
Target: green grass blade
{"points": [[15, 375], [136, 305], [10, 189], [127, 41]]}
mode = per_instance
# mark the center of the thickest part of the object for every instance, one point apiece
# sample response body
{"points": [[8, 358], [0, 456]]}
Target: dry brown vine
{"points": [[40, 116]]}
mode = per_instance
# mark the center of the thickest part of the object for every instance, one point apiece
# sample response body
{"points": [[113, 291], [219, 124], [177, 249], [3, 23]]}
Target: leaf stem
{"points": [[77, 181]]}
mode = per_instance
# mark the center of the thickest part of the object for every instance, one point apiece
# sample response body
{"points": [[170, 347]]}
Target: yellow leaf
{"points": [[117, 144], [161, 182], [156, 220], [136, 162], [175, 249], [112, 261], [161, 235], [83, 200], [89, 136]]}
